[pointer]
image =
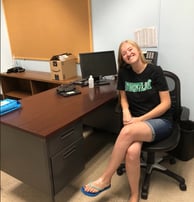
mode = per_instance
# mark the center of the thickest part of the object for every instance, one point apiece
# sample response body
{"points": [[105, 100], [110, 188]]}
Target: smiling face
{"points": [[130, 53]]}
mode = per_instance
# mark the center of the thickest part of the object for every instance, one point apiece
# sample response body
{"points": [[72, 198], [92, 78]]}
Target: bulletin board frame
{"points": [[39, 29]]}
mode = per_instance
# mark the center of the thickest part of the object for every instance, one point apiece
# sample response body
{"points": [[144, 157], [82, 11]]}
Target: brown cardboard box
{"points": [[61, 70]]}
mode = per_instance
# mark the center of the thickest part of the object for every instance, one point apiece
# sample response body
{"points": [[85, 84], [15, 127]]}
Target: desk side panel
{"points": [[24, 156]]}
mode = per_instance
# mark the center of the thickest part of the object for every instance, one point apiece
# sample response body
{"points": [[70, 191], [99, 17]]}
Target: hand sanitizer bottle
{"points": [[91, 82]]}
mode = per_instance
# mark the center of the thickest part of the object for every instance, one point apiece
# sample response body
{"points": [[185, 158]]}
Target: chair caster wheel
{"points": [[183, 187], [119, 171], [144, 195]]}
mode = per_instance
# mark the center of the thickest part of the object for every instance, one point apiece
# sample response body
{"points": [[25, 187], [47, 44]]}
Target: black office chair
{"points": [[151, 163]]}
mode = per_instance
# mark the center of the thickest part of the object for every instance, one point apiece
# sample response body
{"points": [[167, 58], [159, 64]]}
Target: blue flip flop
{"points": [[93, 194]]}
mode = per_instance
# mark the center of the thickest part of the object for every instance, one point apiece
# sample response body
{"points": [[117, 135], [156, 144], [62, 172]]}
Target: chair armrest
{"points": [[185, 113]]}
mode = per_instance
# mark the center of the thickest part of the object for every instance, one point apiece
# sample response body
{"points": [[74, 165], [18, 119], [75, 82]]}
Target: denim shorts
{"points": [[161, 128]]}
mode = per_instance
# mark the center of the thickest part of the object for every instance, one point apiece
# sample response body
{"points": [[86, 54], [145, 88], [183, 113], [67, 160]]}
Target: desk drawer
{"points": [[67, 164], [65, 137]]}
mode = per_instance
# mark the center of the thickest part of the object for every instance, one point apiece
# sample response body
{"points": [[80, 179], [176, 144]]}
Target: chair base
{"points": [[150, 167], [158, 167]]}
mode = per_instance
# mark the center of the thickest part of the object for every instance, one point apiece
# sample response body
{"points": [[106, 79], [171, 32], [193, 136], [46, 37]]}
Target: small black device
{"points": [[67, 90], [15, 70], [82, 83]]}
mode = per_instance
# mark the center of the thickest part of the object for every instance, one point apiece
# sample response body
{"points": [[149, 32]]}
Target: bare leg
{"points": [[132, 165], [139, 131]]}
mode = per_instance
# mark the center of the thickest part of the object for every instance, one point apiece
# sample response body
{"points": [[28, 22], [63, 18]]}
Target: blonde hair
{"points": [[121, 62]]}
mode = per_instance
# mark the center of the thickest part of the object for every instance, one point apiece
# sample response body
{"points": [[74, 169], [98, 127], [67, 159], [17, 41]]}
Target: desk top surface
{"points": [[45, 113]]}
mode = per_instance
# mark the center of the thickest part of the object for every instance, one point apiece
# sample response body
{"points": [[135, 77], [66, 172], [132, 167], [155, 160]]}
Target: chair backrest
{"points": [[175, 93]]}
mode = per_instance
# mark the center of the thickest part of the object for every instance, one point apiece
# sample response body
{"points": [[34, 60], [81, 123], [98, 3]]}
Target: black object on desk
{"points": [[101, 83], [67, 90], [84, 82], [70, 93], [15, 70]]}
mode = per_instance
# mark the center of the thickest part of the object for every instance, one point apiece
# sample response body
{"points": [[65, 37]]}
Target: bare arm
{"points": [[125, 108]]}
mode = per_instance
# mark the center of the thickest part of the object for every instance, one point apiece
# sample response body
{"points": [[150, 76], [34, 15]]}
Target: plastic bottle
{"points": [[91, 82]]}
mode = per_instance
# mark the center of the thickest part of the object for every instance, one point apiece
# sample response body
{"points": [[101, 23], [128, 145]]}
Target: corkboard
{"points": [[39, 29]]}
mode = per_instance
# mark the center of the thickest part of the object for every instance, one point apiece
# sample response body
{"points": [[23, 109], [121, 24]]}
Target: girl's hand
{"points": [[131, 120], [126, 117]]}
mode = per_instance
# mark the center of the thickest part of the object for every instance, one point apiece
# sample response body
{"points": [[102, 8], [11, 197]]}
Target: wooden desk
{"points": [[42, 143]]}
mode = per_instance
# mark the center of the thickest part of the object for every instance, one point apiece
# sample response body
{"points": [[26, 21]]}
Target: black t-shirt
{"points": [[142, 89]]}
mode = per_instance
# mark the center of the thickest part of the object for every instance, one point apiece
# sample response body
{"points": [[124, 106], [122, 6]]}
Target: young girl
{"points": [[145, 103]]}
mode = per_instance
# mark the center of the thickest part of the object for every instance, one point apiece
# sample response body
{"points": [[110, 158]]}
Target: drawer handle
{"points": [[67, 133], [69, 152]]}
